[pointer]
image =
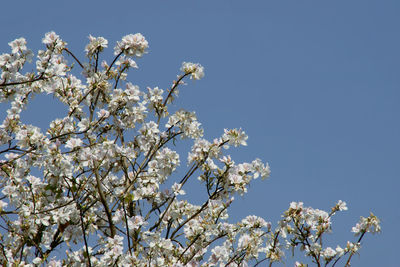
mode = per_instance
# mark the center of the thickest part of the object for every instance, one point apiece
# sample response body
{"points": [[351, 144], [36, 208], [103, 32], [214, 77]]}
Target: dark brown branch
{"points": [[71, 54]]}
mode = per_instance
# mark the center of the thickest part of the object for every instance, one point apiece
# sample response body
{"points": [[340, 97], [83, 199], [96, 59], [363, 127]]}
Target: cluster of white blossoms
{"points": [[103, 184], [196, 71], [370, 224], [132, 45], [304, 227], [96, 45]]}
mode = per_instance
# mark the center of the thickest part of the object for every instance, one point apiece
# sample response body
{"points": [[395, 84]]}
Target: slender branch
{"points": [[39, 78], [351, 254], [127, 228], [274, 246], [77, 60], [192, 217], [104, 201], [97, 60], [89, 264], [119, 76], [174, 86], [112, 63]]}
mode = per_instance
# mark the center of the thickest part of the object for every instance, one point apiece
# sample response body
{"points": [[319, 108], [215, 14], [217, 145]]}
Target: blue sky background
{"points": [[315, 85]]}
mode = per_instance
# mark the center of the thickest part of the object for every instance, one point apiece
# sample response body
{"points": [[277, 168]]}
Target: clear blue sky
{"points": [[315, 85]]}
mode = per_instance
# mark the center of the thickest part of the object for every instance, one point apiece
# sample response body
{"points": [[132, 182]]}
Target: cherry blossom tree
{"points": [[100, 186]]}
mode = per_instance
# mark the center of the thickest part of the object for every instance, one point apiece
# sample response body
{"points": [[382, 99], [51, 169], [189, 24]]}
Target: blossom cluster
{"points": [[196, 71], [103, 184]]}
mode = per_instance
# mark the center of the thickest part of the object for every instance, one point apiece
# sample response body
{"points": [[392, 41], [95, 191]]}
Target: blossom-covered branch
{"points": [[103, 185]]}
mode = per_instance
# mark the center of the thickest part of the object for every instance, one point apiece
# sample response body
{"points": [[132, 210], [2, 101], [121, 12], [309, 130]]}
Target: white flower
{"points": [[115, 247], [341, 205], [195, 69], [236, 180], [316, 218], [177, 189], [50, 38], [102, 113], [73, 143], [83, 124], [314, 248], [328, 253], [135, 222], [54, 263], [132, 45], [97, 44], [253, 221], [155, 95], [37, 261], [244, 241], [199, 150], [339, 251], [18, 45], [352, 247], [5, 59], [235, 137], [219, 253], [296, 205], [132, 93], [34, 182], [187, 122], [126, 62], [370, 224], [260, 169]]}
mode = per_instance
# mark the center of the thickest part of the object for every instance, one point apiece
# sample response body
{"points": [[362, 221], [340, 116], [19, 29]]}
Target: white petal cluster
{"points": [[260, 169], [155, 98], [195, 70], [371, 224], [187, 123], [53, 42], [18, 46], [203, 149], [253, 221], [164, 164], [50, 38], [341, 205], [30, 136], [51, 62], [96, 45], [73, 143], [11, 64], [132, 45], [328, 253], [126, 62], [235, 137]]}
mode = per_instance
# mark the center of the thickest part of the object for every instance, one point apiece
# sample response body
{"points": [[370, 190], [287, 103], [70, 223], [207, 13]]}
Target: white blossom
{"points": [[50, 38], [370, 224], [328, 253], [235, 137], [96, 45], [132, 45], [18, 45], [73, 143], [195, 70]]}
